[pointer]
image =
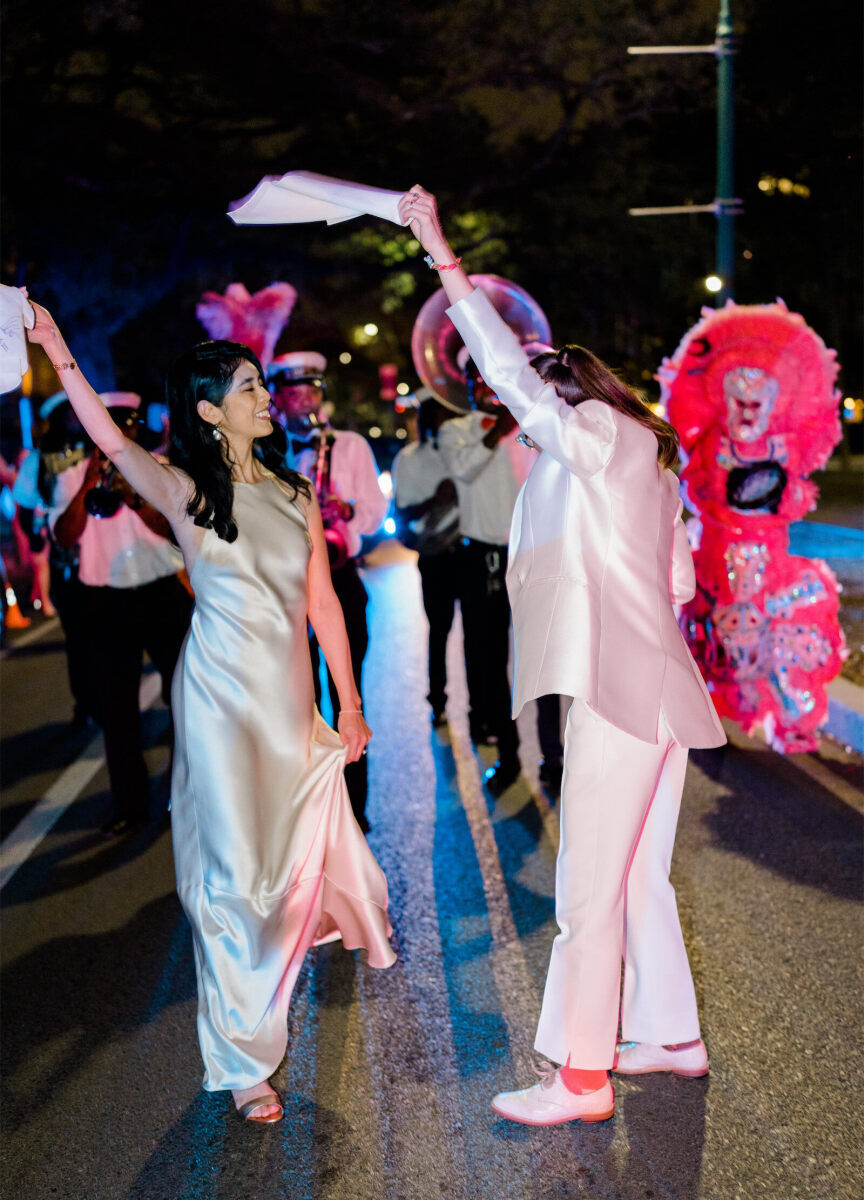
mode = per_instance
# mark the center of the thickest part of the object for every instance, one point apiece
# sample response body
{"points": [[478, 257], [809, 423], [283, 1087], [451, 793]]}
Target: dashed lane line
{"points": [[17, 847], [50, 625]]}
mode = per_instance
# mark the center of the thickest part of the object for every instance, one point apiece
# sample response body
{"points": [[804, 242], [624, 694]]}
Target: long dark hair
{"points": [[577, 375], [205, 373]]}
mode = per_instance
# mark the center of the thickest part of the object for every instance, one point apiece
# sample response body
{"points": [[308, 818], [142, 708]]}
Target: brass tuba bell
{"points": [[435, 343]]}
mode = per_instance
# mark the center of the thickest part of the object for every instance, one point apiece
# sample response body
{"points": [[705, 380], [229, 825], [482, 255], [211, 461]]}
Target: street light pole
{"points": [[725, 154], [725, 206]]}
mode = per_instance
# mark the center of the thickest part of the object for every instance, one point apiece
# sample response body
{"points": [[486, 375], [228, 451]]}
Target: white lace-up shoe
{"points": [[641, 1058], [549, 1102]]}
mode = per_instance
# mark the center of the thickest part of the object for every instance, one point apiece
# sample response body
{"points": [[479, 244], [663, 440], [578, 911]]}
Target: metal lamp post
{"points": [[725, 206]]}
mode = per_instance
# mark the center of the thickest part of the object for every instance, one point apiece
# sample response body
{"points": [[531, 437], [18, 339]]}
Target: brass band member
{"points": [[342, 467], [133, 601]]}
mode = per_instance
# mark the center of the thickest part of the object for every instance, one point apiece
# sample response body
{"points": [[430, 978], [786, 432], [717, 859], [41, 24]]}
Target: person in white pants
{"points": [[598, 555]]}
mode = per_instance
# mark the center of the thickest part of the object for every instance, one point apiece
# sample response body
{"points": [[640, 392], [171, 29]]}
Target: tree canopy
{"points": [[130, 125]]}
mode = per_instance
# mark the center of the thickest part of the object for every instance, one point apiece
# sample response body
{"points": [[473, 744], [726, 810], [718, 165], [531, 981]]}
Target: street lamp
{"points": [[714, 283], [725, 206]]}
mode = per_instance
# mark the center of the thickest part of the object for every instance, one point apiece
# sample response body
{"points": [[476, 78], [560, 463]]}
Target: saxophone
{"points": [[334, 526]]}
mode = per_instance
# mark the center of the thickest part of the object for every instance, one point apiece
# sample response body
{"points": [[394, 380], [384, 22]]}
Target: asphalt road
{"points": [[389, 1074]]}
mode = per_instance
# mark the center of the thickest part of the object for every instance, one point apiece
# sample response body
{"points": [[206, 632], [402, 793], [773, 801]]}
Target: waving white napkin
{"points": [[16, 314], [304, 196]]}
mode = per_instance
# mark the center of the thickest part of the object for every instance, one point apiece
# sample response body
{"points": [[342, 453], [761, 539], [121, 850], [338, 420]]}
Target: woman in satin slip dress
{"points": [[269, 859], [598, 555]]}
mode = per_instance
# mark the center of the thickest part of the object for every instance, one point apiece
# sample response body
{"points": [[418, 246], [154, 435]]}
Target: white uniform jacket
{"points": [[598, 554]]}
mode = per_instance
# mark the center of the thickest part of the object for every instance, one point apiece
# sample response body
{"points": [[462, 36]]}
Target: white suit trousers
{"points": [[619, 809]]}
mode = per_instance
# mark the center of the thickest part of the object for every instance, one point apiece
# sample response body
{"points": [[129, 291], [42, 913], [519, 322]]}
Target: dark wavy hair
{"points": [[577, 375], [205, 373]]}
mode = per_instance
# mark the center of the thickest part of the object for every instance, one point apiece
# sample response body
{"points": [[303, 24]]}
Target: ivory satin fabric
{"points": [[268, 856]]}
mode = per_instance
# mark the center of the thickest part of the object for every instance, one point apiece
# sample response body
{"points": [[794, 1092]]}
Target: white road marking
{"points": [[17, 847], [32, 635]]}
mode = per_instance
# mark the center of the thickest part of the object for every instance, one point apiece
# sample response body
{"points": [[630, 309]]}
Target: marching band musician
{"points": [[63, 445], [342, 467], [429, 515], [482, 454], [133, 599]]}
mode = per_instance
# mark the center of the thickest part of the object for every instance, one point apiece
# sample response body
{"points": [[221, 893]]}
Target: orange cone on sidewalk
{"points": [[13, 617]]}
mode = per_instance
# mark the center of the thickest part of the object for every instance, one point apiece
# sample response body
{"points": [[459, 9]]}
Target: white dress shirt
{"points": [[353, 477], [487, 481], [118, 551], [417, 472]]}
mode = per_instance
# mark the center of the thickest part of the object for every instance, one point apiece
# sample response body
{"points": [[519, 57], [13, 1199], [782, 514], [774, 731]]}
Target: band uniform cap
{"points": [[47, 407], [120, 399], [298, 366]]}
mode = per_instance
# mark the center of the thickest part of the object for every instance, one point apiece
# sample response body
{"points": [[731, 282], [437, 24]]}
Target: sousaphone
{"points": [[436, 344]]}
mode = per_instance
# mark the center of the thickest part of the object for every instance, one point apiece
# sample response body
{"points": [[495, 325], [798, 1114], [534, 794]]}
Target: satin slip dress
{"points": [[269, 859]]}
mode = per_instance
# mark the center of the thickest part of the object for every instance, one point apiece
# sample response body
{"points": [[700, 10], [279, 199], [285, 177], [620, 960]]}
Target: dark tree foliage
{"points": [[130, 124]]}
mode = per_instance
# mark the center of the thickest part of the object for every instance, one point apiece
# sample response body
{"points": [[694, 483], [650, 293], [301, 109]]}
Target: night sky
{"points": [[131, 124]]}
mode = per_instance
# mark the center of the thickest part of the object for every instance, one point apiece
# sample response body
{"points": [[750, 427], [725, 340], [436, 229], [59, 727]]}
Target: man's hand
{"points": [[505, 423], [334, 508], [93, 473], [445, 494]]}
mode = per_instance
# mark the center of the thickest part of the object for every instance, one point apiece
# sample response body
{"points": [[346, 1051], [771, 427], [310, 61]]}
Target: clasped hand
{"points": [[334, 508], [355, 734]]}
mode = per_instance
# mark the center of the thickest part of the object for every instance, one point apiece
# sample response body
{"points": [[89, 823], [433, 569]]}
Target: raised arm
{"points": [[583, 437], [165, 488]]}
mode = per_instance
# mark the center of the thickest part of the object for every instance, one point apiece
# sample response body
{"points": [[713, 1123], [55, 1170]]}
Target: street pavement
{"points": [[389, 1074]]}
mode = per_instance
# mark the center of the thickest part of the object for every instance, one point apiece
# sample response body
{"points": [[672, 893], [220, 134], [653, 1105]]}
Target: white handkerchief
{"points": [[16, 314], [304, 196]]}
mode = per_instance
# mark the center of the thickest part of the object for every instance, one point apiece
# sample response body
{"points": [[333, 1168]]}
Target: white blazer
{"points": [[598, 554]]}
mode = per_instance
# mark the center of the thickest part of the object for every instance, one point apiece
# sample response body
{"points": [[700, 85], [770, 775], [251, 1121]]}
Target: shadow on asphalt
{"points": [[64, 864], [57, 997], [52, 746], [211, 1154], [786, 822], [479, 1029], [655, 1157], [518, 829]]}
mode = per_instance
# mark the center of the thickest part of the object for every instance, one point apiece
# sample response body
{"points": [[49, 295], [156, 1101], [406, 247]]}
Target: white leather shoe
{"points": [[549, 1102], [641, 1058]]}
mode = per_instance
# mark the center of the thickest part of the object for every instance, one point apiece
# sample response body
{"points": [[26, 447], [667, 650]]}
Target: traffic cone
{"points": [[13, 617]]}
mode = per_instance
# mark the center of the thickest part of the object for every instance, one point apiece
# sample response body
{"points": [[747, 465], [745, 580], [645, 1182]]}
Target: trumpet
{"points": [[106, 498]]}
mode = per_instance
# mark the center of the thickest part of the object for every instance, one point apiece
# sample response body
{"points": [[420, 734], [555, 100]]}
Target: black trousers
{"points": [[70, 597], [486, 627], [549, 728], [439, 577], [353, 597], [123, 623]]}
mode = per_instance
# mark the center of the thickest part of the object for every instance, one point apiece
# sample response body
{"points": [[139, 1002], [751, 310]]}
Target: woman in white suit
{"points": [[598, 555]]}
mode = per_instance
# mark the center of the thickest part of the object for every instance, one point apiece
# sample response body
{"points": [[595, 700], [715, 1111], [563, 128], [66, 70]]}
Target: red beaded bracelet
{"points": [[433, 266]]}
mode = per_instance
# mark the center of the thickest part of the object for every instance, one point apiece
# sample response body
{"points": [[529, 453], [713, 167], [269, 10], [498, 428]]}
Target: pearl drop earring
{"points": [[217, 433]]}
